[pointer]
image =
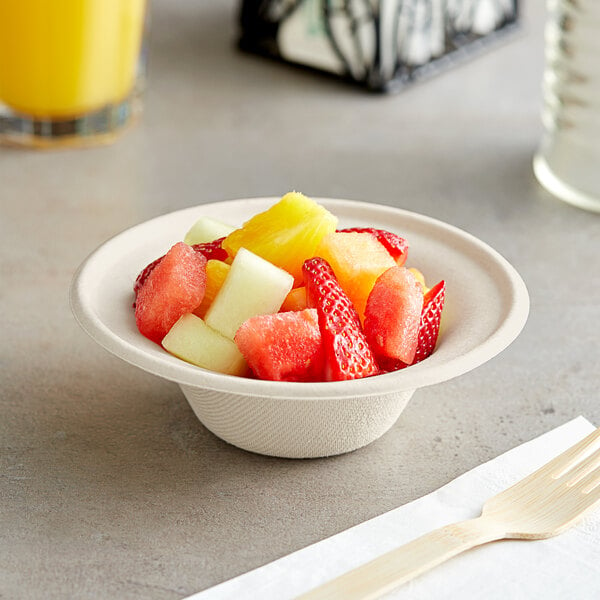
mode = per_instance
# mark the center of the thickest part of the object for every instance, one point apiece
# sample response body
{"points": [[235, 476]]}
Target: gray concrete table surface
{"points": [[109, 486]]}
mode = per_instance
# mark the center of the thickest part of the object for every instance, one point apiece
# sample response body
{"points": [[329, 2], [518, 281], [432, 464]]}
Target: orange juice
{"points": [[64, 58]]}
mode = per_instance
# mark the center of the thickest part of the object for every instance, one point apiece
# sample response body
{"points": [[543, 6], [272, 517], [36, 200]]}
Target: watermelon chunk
{"points": [[211, 250], [283, 346], [174, 287], [429, 328], [393, 314]]}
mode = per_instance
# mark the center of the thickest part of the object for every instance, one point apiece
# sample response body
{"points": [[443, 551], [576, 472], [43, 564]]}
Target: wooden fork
{"points": [[542, 505]]}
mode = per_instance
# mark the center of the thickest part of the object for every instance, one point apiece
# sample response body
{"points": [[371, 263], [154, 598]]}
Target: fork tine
{"points": [[579, 475], [558, 466], [588, 496], [571, 457], [593, 489]]}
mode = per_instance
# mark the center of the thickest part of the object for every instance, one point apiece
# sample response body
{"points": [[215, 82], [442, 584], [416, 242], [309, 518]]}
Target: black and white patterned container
{"points": [[379, 44]]}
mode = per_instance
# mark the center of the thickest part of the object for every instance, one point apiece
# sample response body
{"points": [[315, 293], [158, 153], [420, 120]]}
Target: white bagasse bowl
{"points": [[486, 308]]}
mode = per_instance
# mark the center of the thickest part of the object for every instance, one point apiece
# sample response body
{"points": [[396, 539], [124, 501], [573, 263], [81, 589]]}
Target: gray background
{"points": [[109, 486]]}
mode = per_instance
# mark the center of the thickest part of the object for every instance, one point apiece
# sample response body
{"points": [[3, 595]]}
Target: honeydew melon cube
{"points": [[192, 340], [206, 229], [252, 287]]}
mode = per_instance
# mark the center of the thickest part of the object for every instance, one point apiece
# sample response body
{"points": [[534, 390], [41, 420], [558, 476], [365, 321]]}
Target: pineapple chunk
{"points": [[286, 234], [216, 272]]}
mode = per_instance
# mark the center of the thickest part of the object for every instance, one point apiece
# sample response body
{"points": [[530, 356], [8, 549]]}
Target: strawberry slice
{"points": [[347, 353], [144, 274], [394, 244], [429, 328], [210, 250]]}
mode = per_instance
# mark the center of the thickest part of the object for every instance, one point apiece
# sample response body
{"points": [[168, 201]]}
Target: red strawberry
{"points": [[283, 346], [393, 314], [210, 250], [144, 274], [174, 287], [429, 328], [347, 353], [433, 304], [394, 244]]}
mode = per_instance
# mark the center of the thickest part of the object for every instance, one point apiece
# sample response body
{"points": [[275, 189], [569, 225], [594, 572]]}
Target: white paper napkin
{"points": [[563, 567]]}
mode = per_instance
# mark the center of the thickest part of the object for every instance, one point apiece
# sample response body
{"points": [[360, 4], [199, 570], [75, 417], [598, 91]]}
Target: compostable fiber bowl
{"points": [[486, 308]]}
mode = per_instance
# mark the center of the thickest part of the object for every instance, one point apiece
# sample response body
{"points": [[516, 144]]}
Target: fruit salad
{"points": [[289, 296]]}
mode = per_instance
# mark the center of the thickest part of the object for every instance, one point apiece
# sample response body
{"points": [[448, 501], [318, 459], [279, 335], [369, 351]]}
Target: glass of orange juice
{"points": [[71, 71]]}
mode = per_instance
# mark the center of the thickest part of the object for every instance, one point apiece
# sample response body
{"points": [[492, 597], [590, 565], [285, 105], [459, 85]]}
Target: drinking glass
{"points": [[71, 71], [567, 162]]}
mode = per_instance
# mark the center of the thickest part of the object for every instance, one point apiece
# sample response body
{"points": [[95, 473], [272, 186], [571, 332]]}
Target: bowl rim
{"points": [[426, 373]]}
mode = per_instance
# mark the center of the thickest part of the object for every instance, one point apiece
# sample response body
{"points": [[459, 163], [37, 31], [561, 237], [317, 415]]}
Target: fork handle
{"points": [[383, 574]]}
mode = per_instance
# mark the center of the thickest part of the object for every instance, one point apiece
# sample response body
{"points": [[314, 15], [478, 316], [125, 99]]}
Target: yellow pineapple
{"points": [[216, 271], [286, 234]]}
